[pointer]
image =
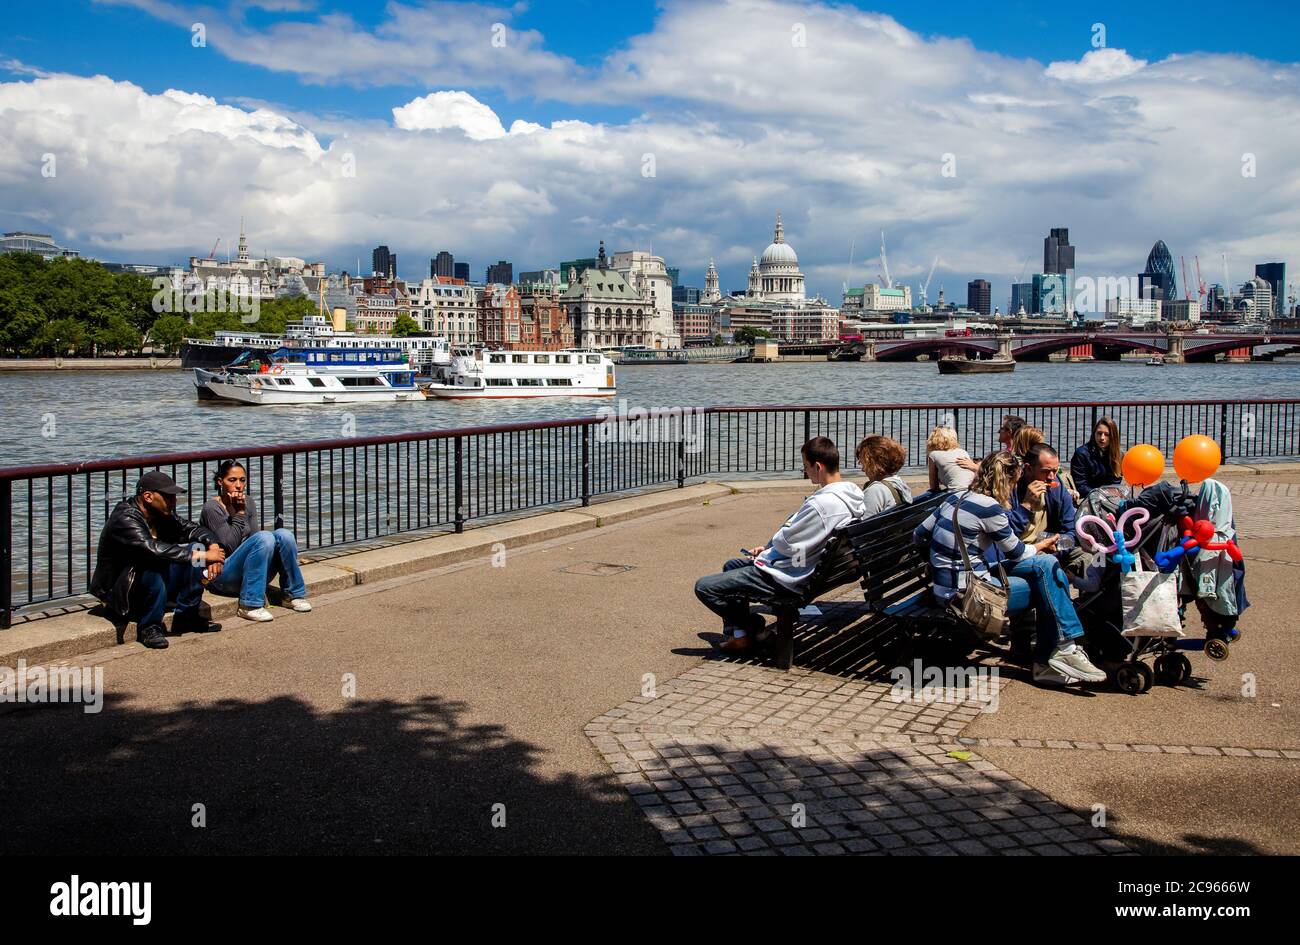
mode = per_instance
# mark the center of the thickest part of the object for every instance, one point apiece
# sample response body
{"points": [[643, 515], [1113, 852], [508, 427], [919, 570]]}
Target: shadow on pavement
{"points": [[282, 776]]}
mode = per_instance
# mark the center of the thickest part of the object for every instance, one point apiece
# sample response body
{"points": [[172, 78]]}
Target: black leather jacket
{"points": [[126, 545]]}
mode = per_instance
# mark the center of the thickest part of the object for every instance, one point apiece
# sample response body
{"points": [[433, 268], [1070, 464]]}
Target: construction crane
{"points": [[1187, 286], [926, 287], [213, 254], [1200, 283]]}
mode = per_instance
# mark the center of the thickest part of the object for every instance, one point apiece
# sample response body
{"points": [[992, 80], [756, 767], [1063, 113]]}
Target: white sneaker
{"points": [[257, 614], [299, 605], [1075, 664], [1046, 676]]}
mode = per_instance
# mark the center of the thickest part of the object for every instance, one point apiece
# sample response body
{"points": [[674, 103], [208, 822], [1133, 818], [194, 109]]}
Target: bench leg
{"points": [[783, 649]]}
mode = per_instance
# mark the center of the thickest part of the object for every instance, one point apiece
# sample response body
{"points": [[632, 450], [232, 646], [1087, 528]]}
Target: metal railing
{"points": [[334, 493]]}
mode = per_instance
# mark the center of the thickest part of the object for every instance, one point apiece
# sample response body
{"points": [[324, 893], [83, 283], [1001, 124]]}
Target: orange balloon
{"points": [[1143, 464], [1197, 458]]}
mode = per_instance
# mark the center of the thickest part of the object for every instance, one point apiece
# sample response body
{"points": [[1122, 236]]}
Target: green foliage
{"points": [[404, 325], [63, 336], [167, 332], [70, 305], [116, 336], [747, 336]]}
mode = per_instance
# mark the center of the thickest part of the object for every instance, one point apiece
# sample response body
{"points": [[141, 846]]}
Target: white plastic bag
{"points": [[1150, 603]]}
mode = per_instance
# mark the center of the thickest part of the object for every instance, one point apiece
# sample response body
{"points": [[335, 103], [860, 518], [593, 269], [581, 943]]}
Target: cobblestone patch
{"points": [[1266, 509], [742, 759]]}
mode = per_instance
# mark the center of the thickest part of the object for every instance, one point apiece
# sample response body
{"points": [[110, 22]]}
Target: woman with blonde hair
{"points": [[943, 457], [1033, 575]]}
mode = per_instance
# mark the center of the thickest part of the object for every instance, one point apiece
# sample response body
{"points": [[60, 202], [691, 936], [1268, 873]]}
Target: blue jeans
{"points": [[730, 593], [250, 568], [153, 587], [1041, 582]]}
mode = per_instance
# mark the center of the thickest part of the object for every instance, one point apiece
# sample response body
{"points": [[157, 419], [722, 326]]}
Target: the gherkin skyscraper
{"points": [[1159, 274]]}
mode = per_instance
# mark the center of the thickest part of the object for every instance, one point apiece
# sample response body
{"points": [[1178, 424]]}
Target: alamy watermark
{"points": [[37, 684], [169, 299], [926, 685], [651, 425]]}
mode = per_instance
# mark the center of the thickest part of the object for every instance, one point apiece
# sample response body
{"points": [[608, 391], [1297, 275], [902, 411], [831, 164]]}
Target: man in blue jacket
{"points": [[1040, 504]]}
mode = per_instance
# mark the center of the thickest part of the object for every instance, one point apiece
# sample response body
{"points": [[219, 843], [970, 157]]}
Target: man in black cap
{"points": [[147, 555]]}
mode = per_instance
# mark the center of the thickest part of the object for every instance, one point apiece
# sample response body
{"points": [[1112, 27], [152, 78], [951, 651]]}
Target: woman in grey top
{"points": [[253, 556]]}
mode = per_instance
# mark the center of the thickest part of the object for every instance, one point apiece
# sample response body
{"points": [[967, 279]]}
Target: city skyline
{"points": [[540, 146]]}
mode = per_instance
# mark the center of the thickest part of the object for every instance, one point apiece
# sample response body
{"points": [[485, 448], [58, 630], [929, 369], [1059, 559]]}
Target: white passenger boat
{"points": [[571, 373], [317, 376]]}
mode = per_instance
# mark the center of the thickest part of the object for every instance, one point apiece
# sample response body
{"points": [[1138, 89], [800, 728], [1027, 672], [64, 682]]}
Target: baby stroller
{"points": [[1100, 606]]}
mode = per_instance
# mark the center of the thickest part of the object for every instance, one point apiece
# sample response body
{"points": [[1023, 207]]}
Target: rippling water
{"points": [[64, 416]]}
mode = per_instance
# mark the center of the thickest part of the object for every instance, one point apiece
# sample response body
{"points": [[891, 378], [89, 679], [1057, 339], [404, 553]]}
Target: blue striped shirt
{"points": [[983, 524]]}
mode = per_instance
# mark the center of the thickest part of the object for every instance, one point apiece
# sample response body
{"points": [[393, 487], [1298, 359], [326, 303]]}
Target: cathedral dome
{"points": [[779, 252]]}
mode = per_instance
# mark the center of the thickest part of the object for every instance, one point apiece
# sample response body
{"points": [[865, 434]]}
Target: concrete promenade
{"points": [[159, 362], [548, 686]]}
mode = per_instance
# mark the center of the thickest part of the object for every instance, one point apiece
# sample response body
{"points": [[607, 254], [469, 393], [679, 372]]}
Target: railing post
{"points": [[681, 458], [7, 553], [586, 464], [1223, 428], [277, 486], [807, 426], [458, 462]]}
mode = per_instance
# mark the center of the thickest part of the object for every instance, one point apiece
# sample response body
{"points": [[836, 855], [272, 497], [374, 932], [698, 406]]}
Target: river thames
{"points": [[66, 416]]}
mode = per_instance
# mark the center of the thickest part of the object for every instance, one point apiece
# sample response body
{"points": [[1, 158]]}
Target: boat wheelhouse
{"points": [[497, 374]]}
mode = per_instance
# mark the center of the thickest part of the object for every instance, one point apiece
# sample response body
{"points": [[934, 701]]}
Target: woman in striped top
{"points": [[1033, 573]]}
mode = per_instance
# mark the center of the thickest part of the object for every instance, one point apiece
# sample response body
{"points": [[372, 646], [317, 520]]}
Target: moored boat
{"points": [[953, 365], [496, 374], [316, 376]]}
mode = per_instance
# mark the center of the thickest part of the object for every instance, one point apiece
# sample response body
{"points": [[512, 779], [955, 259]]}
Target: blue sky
{"points": [[1144, 142], [110, 39]]}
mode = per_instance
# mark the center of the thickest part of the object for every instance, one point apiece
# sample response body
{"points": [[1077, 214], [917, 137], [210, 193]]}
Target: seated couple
{"points": [[785, 564], [148, 557]]}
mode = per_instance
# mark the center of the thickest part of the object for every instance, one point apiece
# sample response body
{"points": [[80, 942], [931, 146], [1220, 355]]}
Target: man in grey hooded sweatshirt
{"points": [[784, 565]]}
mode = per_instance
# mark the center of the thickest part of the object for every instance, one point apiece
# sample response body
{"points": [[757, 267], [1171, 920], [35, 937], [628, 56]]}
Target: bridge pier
{"points": [[869, 350], [1079, 353], [1175, 354], [1004, 347], [1238, 356]]}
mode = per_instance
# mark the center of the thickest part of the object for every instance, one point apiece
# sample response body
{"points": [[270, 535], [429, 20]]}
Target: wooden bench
{"points": [[894, 573], [836, 567], [895, 569]]}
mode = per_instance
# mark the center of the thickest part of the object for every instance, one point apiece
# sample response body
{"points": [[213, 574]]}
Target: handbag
{"points": [[981, 605], [1150, 600]]}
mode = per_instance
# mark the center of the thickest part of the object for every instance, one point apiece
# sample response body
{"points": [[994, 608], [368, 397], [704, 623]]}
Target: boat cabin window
{"points": [[500, 382], [558, 382], [497, 358], [284, 381], [593, 359], [519, 359], [315, 382], [530, 382], [561, 359], [542, 359]]}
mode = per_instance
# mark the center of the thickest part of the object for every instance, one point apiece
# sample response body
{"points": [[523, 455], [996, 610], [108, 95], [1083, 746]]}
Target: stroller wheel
{"points": [[1173, 669], [1133, 678], [1216, 650]]}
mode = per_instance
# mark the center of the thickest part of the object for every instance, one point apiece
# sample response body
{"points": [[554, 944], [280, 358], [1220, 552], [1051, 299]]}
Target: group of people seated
{"points": [[1011, 509], [148, 557]]}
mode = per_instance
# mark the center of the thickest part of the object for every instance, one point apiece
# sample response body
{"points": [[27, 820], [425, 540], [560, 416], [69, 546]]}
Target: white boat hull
{"points": [[454, 392], [252, 395]]}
